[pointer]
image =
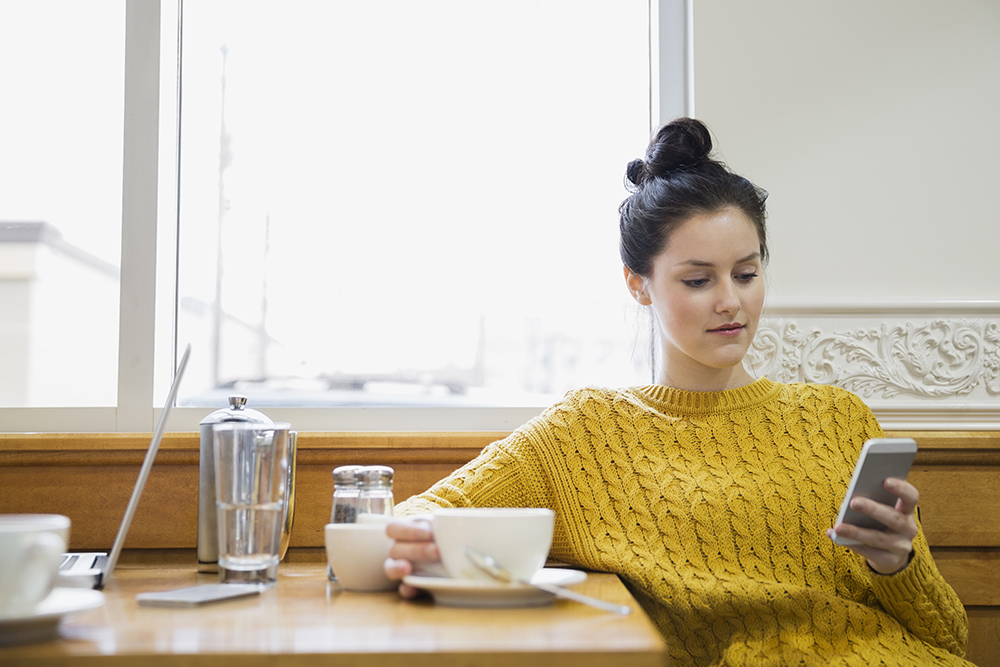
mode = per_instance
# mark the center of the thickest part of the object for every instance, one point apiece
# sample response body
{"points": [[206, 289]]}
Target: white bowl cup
{"points": [[517, 538], [31, 549], [356, 552]]}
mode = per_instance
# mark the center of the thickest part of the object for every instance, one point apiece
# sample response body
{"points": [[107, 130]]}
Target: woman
{"points": [[712, 493]]}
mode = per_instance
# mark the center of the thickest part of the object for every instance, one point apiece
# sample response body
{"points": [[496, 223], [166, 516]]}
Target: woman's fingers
{"points": [[886, 552], [906, 492], [396, 568], [894, 520], [409, 592], [413, 543], [415, 551], [410, 530], [889, 550], [414, 540], [873, 539], [898, 518]]}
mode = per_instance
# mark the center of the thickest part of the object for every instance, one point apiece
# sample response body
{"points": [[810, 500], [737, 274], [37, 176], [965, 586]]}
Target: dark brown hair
{"points": [[676, 180]]}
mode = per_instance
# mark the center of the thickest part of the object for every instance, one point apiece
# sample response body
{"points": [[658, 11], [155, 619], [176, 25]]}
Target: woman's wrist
{"points": [[906, 563]]}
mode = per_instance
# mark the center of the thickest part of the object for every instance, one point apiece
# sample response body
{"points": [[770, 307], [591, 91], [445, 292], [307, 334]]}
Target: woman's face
{"points": [[706, 290]]}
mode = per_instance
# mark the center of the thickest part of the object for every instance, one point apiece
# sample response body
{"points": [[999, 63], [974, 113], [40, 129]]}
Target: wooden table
{"points": [[306, 620]]}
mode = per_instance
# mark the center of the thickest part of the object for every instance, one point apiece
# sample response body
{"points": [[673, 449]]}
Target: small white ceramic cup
{"points": [[31, 549], [356, 552], [517, 538]]}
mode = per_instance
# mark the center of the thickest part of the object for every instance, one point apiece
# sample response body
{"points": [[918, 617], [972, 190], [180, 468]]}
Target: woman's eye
{"points": [[747, 277], [698, 282]]}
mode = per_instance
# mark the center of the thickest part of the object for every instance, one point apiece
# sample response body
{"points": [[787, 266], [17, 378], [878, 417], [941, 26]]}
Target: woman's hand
{"points": [[414, 546], [887, 551]]}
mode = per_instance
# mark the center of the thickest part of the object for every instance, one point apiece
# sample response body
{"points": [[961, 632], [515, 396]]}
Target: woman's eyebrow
{"points": [[699, 262]]}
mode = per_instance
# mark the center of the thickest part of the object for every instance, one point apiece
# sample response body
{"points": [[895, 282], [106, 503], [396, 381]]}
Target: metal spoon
{"points": [[495, 570]]}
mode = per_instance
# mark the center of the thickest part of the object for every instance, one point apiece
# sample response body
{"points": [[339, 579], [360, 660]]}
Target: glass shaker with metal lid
{"points": [[346, 490], [376, 490], [208, 529]]}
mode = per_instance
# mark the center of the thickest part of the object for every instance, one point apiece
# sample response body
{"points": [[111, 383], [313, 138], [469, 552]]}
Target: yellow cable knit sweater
{"points": [[712, 509]]}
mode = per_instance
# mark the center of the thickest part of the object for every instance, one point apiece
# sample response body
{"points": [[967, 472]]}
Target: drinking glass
{"points": [[251, 482]]}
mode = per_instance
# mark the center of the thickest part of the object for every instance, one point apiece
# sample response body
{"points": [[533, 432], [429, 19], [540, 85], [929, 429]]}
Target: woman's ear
{"points": [[636, 286]]}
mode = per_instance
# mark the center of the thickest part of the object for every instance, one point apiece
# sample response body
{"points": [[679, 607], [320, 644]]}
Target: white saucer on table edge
{"points": [[484, 593], [42, 622]]}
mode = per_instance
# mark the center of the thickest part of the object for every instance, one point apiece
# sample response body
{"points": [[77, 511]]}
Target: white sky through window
{"points": [[411, 190]]}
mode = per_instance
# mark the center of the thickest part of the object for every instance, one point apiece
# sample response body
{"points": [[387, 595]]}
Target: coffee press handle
{"points": [[289, 509]]}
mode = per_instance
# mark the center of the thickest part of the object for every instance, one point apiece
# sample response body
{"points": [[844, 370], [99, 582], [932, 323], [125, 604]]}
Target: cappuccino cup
{"points": [[517, 538], [31, 550]]}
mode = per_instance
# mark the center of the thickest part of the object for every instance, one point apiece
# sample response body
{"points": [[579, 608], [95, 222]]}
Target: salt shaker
{"points": [[376, 490]]}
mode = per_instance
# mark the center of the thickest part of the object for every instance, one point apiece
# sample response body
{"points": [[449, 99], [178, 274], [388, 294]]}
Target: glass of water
{"points": [[251, 475]]}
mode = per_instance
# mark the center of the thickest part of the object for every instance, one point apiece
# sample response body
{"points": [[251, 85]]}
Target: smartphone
{"points": [[194, 596], [880, 458]]}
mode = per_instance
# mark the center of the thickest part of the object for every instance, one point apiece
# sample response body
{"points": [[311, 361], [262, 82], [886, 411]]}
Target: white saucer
{"points": [[473, 593], [42, 622]]}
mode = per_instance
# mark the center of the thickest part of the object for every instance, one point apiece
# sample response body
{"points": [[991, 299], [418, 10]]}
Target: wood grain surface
{"points": [[305, 620], [88, 477]]}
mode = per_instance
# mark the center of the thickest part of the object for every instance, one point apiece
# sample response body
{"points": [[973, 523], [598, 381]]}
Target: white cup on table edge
{"points": [[356, 553], [31, 550]]}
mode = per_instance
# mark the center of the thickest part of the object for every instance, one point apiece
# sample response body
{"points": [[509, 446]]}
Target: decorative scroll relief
{"points": [[950, 364], [939, 359]]}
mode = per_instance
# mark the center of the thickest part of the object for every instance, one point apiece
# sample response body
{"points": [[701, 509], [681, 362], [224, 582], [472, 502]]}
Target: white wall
{"points": [[875, 127]]}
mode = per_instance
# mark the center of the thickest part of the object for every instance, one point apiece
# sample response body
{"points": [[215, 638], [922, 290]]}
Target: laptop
{"points": [[93, 570]]}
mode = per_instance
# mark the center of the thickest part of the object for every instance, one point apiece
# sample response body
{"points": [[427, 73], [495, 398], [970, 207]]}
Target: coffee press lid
{"points": [[236, 412]]}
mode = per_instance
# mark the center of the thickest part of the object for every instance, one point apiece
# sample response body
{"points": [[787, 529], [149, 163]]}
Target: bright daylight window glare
{"points": [[407, 204], [62, 83]]}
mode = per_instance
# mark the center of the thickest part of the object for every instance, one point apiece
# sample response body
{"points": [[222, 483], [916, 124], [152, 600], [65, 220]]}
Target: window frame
{"points": [[147, 302]]}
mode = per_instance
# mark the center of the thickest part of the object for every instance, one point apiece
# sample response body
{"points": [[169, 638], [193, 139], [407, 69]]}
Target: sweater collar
{"points": [[673, 400]]}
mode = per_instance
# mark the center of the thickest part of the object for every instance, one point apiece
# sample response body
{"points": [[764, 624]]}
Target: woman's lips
{"points": [[728, 330]]}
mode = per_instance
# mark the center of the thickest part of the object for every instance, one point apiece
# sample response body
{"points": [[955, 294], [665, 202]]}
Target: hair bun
{"points": [[635, 172], [677, 146]]}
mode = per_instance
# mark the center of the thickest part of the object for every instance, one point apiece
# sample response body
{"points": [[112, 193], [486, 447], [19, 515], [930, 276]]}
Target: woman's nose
{"points": [[728, 299]]}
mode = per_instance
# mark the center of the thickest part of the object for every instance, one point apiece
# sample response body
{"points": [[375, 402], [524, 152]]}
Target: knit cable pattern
{"points": [[712, 508]]}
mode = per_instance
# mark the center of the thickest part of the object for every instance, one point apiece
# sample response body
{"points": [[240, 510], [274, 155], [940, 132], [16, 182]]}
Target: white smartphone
{"points": [[880, 459], [197, 595]]}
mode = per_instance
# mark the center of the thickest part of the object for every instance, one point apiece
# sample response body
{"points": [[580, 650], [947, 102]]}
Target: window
{"points": [[60, 201], [405, 203], [418, 208]]}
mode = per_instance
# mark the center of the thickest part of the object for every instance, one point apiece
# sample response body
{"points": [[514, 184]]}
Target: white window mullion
{"points": [[139, 209], [671, 60]]}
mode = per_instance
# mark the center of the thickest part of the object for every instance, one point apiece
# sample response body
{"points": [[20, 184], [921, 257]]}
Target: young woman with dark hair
{"points": [[712, 493]]}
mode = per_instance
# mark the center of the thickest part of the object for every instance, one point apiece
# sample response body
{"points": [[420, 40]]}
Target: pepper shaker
{"points": [[346, 489]]}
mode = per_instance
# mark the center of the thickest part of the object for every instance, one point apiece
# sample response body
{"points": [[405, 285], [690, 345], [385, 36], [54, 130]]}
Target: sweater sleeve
{"points": [[918, 597], [501, 476], [923, 602]]}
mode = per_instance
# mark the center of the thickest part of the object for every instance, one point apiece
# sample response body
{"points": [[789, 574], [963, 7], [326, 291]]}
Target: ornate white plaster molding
{"points": [[923, 365]]}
